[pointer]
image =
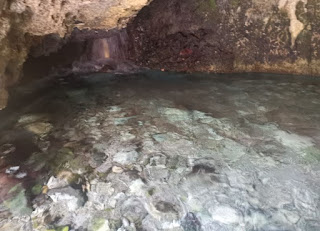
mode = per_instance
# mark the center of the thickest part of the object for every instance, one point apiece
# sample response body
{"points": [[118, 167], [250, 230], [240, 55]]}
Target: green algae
{"points": [[99, 224], [312, 154], [18, 203], [64, 228], [36, 189], [235, 3]]}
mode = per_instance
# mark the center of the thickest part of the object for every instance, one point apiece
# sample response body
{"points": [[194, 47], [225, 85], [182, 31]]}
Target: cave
{"points": [[127, 115]]}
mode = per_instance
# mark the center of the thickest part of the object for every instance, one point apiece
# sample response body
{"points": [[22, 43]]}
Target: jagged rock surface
{"points": [[279, 36]]}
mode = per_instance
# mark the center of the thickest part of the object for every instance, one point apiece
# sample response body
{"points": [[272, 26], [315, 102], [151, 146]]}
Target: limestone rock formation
{"points": [[23, 22], [281, 36]]}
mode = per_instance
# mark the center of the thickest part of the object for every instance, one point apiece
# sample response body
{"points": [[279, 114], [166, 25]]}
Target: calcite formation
{"points": [[296, 26]]}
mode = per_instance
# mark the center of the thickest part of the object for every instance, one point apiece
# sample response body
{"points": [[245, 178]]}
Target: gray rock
{"points": [[18, 202], [71, 198], [39, 128], [225, 215], [191, 223], [100, 194], [126, 158], [156, 173], [55, 182], [133, 210], [32, 118]]}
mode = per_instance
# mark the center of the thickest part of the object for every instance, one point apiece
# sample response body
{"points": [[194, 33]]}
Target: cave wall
{"points": [[84, 51], [281, 36], [25, 23]]}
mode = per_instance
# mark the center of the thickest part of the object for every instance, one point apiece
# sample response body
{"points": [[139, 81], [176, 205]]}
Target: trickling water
{"points": [[108, 51], [114, 47], [164, 151]]}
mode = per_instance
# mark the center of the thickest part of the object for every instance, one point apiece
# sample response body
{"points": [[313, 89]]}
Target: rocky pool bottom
{"points": [[162, 151]]}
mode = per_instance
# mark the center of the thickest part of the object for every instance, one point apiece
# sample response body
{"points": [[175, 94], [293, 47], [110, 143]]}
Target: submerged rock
{"points": [[39, 128], [32, 118], [68, 198], [191, 223], [117, 169], [17, 203], [126, 158], [226, 215], [178, 168]]}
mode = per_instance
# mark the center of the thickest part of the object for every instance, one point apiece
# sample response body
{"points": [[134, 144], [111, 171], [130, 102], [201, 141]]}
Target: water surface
{"points": [[163, 151]]}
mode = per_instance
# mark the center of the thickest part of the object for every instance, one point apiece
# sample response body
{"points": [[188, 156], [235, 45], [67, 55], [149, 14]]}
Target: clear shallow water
{"points": [[163, 151]]}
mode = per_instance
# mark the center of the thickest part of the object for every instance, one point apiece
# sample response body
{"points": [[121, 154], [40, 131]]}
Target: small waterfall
{"points": [[104, 52], [114, 47]]}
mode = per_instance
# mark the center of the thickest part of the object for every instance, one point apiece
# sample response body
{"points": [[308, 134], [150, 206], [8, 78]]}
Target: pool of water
{"points": [[162, 151]]}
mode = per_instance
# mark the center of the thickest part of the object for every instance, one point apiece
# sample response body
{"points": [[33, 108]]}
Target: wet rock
{"points": [[100, 194], [156, 173], [39, 128], [126, 158], [36, 189], [292, 217], [21, 224], [99, 224], [99, 157], [137, 188], [32, 118], [12, 170], [225, 215], [133, 210], [116, 198], [175, 115], [122, 121], [191, 223], [17, 203], [7, 149], [257, 218], [43, 145], [67, 197], [63, 156], [158, 160], [160, 137], [117, 169], [20, 175], [57, 182]]}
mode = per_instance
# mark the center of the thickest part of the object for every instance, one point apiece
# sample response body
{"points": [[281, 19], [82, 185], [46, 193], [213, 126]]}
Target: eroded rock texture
{"points": [[24, 22], [280, 36], [229, 36]]}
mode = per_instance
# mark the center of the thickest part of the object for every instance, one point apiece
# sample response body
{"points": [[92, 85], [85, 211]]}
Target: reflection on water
{"points": [[162, 151]]}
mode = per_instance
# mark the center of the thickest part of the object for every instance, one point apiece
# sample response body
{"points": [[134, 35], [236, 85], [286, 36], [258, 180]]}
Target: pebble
{"points": [[117, 169], [67, 197], [225, 215], [39, 128], [12, 170], [126, 158]]}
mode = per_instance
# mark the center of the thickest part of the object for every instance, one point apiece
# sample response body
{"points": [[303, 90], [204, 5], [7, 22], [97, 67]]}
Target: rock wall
{"points": [[24, 23], [281, 36], [84, 51]]}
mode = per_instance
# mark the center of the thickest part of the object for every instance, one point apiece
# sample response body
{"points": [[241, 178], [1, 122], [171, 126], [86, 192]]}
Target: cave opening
{"points": [[160, 115]]}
